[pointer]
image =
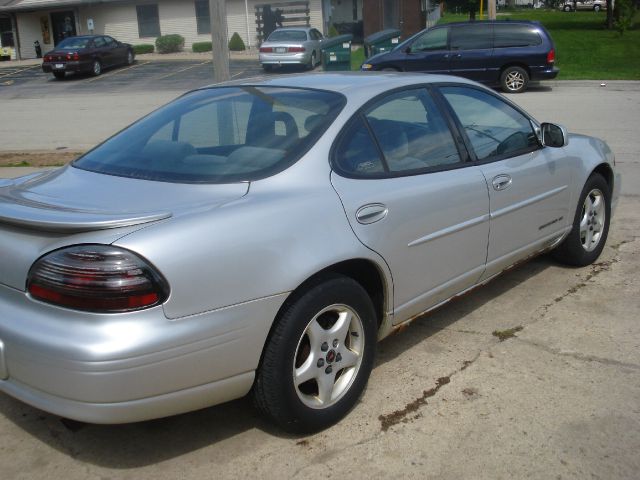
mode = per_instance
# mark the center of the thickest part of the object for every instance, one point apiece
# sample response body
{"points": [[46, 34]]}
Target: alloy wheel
{"points": [[592, 220]]}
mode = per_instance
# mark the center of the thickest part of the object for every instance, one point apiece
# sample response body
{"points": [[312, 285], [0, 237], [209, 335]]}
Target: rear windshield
{"points": [[288, 36], [73, 43], [218, 135]]}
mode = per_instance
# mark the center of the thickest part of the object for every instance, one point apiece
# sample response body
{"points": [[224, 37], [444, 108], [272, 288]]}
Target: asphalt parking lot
{"points": [[141, 76], [446, 399]]}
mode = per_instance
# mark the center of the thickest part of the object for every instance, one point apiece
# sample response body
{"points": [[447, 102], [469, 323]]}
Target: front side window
{"points": [[494, 128], [408, 130], [148, 21], [218, 135], [203, 18], [432, 40], [99, 42]]}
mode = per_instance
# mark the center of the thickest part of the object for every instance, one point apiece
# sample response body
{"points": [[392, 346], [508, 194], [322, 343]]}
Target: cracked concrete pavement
{"points": [[447, 399]]}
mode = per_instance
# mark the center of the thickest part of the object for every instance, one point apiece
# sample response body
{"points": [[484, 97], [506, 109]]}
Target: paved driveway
{"points": [[446, 399]]}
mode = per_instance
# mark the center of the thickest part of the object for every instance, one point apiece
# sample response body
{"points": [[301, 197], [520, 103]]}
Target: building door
{"points": [[6, 33], [63, 25]]}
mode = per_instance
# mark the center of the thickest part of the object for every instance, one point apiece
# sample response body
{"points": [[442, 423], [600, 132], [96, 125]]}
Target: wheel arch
{"points": [[606, 171], [515, 64]]}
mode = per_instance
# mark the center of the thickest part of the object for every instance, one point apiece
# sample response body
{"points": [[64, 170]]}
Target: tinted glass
{"points": [[431, 40], [471, 37], [494, 128], [73, 43], [357, 153], [515, 36], [99, 42], [218, 135], [110, 42], [288, 36], [411, 132], [203, 18]]}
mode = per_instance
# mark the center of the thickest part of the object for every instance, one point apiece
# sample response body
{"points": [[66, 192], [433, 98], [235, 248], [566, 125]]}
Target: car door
{"points": [[316, 36], [528, 184], [471, 51], [101, 51], [411, 196], [118, 52], [429, 52]]}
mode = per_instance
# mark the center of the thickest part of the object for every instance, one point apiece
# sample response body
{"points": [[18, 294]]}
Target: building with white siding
{"points": [[142, 21]]}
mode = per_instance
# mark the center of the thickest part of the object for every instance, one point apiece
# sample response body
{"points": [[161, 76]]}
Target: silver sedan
{"points": [[260, 237], [292, 46]]}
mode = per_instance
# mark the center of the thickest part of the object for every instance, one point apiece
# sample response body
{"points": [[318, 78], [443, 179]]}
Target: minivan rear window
{"points": [[515, 36]]}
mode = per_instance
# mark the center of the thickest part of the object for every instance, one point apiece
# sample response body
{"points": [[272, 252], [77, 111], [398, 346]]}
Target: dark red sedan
{"points": [[86, 54]]}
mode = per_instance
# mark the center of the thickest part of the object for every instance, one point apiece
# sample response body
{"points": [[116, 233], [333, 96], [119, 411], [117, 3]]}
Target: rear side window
{"points": [[408, 130], [471, 37], [219, 135], [515, 36]]}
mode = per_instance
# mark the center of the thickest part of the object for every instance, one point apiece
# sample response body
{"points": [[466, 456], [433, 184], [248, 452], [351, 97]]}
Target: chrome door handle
{"points": [[501, 182], [371, 213]]}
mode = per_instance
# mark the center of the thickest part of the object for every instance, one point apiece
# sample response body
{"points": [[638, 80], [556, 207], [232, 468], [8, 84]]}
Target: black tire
{"points": [[289, 348], [514, 80], [96, 68], [266, 67], [312, 61], [59, 75], [572, 250], [130, 57]]}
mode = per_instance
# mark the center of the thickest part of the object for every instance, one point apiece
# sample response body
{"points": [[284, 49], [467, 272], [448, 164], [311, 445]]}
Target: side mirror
{"points": [[407, 49], [554, 135]]}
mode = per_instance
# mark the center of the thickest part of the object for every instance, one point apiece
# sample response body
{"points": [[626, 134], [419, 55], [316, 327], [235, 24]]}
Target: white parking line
{"points": [[183, 70], [18, 70]]}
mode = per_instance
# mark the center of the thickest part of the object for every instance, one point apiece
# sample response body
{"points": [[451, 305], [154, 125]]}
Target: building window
{"points": [[203, 17], [148, 21]]}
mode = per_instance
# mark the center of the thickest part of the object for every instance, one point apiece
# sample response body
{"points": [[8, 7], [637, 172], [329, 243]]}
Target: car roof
{"points": [[301, 27], [492, 22], [350, 84]]}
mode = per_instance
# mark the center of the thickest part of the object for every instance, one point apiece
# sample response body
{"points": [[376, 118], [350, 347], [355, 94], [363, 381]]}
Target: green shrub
{"points": [[333, 31], [236, 44], [143, 48], [169, 43], [201, 47], [624, 13]]}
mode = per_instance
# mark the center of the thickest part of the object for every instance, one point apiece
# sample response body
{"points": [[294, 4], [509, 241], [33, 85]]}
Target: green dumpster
{"points": [[382, 41], [336, 53]]}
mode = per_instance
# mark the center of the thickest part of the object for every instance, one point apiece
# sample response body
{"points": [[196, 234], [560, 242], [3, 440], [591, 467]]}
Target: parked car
{"points": [[506, 53], [86, 54], [595, 5], [292, 46], [260, 236]]}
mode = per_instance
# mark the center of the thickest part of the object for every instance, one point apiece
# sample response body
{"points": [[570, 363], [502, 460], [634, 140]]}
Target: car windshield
{"points": [[73, 43], [288, 36], [219, 135]]}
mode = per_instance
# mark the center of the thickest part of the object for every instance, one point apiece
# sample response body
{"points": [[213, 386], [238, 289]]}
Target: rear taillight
{"points": [[551, 56], [96, 278], [47, 58], [73, 56], [297, 49], [266, 50]]}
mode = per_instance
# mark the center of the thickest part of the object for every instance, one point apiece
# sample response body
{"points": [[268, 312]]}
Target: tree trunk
{"points": [[609, 15], [219, 41]]}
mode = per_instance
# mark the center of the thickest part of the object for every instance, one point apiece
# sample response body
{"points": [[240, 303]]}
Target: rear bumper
{"points": [[285, 59], [544, 73], [75, 67], [128, 367]]}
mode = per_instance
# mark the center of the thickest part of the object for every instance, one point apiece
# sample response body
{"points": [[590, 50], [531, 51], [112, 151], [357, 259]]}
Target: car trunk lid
{"points": [[45, 211]]}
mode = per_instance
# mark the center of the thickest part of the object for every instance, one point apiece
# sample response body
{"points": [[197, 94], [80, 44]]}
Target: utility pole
{"points": [[491, 9], [219, 41]]}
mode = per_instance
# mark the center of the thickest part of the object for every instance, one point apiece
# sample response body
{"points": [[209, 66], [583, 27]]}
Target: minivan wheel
{"points": [[318, 357], [514, 80], [588, 235]]}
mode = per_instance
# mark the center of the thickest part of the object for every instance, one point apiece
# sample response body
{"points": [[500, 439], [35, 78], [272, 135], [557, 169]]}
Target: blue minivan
{"points": [[506, 53]]}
